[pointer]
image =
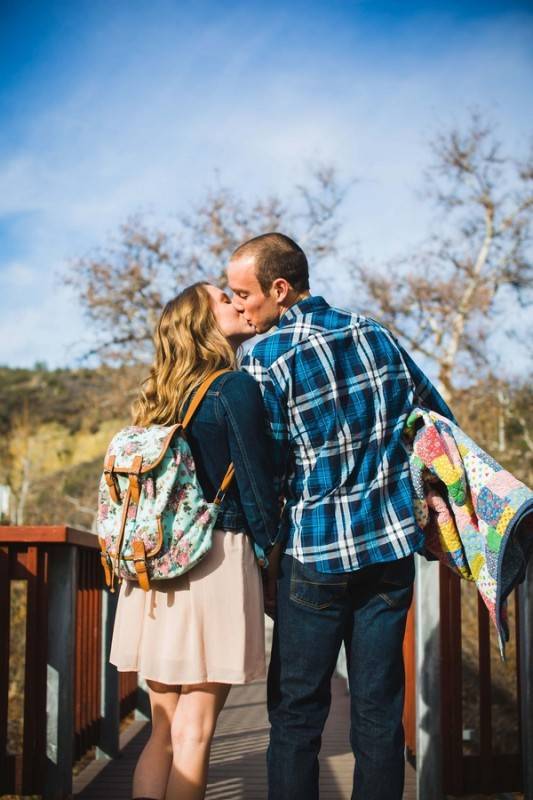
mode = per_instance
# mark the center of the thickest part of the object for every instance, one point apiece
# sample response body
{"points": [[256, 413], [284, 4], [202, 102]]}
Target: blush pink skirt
{"points": [[205, 626]]}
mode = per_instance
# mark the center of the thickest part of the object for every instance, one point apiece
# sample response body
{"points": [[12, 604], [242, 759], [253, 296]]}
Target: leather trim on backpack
{"points": [[105, 561], [139, 562], [135, 484], [111, 480], [149, 553]]}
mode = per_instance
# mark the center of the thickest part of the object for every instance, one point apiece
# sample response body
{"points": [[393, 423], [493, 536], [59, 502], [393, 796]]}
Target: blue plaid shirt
{"points": [[338, 389]]}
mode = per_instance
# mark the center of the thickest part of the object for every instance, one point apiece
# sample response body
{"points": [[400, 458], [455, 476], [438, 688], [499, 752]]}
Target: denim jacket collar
{"points": [[305, 306]]}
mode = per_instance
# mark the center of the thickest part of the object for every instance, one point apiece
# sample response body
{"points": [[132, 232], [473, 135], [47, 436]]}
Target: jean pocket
{"points": [[396, 583], [315, 589]]}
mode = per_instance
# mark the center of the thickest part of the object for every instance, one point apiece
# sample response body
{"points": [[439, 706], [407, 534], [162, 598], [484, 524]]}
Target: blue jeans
{"points": [[316, 612]]}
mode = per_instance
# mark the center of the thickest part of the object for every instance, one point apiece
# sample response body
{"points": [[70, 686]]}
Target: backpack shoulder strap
{"points": [[193, 407], [199, 396]]}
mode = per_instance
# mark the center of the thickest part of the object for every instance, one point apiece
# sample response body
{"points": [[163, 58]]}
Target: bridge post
{"points": [[429, 777], [62, 583], [108, 744]]}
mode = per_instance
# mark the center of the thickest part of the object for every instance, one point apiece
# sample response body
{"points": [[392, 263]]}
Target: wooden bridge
{"points": [[237, 769], [68, 705]]}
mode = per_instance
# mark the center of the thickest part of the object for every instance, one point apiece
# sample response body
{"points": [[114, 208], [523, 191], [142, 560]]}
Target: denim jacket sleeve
{"points": [[251, 456]]}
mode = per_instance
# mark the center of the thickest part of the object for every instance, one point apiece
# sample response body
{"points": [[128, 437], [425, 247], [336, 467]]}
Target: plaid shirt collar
{"points": [[306, 306]]}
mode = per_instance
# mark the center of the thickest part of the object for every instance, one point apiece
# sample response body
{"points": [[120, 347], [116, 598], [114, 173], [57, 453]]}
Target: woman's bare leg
{"points": [[193, 726], [151, 773]]}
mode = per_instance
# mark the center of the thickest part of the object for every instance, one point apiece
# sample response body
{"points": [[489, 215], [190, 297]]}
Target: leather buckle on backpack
{"points": [[139, 563], [224, 486], [106, 561]]}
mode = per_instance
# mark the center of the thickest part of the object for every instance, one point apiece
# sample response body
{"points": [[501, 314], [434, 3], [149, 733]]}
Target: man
{"points": [[338, 389]]}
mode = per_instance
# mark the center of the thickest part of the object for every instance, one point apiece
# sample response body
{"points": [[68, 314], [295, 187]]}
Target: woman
{"points": [[194, 636]]}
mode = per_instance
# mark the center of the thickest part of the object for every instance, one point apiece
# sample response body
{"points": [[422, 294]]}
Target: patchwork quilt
{"points": [[477, 517]]}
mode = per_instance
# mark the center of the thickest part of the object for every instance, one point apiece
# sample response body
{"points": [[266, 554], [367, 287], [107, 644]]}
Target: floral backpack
{"points": [[153, 519]]}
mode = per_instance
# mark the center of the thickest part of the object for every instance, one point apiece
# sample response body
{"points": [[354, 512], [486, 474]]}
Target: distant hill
{"points": [[72, 398], [57, 424]]}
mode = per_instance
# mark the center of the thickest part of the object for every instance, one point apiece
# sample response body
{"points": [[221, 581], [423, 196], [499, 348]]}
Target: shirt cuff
{"points": [[260, 556]]}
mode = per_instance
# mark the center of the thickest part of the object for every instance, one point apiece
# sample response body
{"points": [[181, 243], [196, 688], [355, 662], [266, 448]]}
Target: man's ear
{"points": [[280, 289]]}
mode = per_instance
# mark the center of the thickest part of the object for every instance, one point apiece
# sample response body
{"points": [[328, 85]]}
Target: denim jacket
{"points": [[230, 426]]}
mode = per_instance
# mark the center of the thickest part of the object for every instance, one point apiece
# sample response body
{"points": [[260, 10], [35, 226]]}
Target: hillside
{"points": [[57, 425]]}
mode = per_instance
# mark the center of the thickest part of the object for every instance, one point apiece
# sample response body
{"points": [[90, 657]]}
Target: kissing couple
{"points": [[317, 528]]}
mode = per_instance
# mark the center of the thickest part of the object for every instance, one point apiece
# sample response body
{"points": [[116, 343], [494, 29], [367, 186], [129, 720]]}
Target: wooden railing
{"points": [[437, 700], [87, 663], [493, 759], [73, 700], [409, 709]]}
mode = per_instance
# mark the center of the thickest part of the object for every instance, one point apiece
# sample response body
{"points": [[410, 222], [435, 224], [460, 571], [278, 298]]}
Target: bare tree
{"points": [[121, 289], [90, 512], [442, 300], [499, 415], [123, 286]]}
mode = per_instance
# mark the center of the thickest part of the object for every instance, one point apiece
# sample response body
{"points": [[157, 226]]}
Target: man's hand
{"points": [[270, 577]]}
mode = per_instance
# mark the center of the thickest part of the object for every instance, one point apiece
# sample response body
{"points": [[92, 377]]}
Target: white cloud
{"points": [[150, 134], [16, 275]]}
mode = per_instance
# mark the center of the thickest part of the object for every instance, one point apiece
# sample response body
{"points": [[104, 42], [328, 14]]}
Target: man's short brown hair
{"points": [[276, 256]]}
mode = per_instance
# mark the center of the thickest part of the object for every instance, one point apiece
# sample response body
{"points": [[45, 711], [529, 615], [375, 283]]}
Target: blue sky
{"points": [[110, 108]]}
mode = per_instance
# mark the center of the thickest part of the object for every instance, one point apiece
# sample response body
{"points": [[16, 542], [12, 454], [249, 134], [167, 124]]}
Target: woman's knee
{"points": [[196, 715], [192, 729]]}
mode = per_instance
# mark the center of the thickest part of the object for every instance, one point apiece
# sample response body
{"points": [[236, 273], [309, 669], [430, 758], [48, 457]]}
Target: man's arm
{"points": [[425, 393], [276, 412]]}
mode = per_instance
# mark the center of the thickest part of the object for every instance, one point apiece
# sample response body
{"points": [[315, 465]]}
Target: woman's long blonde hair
{"points": [[189, 346]]}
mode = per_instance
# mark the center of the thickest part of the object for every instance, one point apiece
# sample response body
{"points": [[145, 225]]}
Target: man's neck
{"points": [[292, 299]]}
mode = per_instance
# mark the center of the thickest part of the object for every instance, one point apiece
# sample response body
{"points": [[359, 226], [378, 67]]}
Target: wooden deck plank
{"points": [[237, 769]]}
